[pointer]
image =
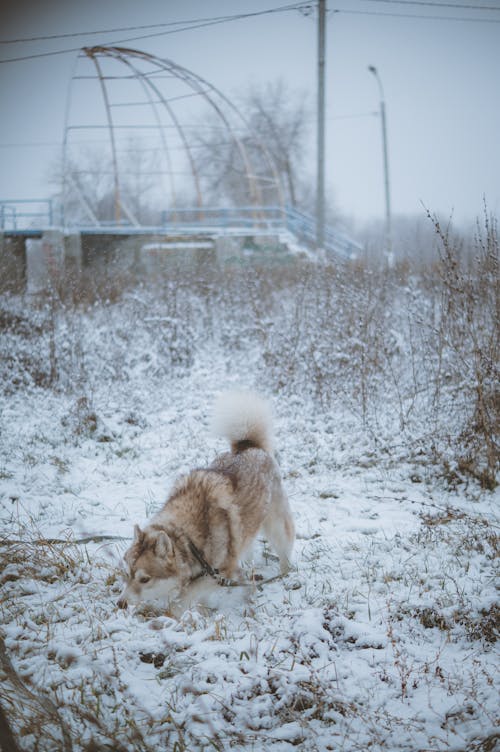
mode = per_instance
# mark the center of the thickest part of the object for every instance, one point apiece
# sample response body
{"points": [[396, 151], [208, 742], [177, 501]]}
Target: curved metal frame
{"points": [[222, 106]]}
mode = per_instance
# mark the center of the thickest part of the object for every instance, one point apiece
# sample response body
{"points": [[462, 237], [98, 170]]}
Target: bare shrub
{"points": [[467, 345], [409, 354]]}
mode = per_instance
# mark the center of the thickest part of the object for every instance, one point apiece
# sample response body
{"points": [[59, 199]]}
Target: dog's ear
{"points": [[138, 534], [163, 545]]}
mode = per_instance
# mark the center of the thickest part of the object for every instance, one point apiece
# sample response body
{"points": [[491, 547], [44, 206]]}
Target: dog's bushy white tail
{"points": [[242, 416]]}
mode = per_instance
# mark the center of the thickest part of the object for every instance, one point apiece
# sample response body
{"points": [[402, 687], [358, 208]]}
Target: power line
{"points": [[106, 31], [189, 25], [432, 4], [418, 16], [23, 144], [223, 19], [203, 23]]}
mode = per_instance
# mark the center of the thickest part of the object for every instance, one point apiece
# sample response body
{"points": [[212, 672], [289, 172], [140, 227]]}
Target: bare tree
{"points": [[269, 145], [281, 118]]}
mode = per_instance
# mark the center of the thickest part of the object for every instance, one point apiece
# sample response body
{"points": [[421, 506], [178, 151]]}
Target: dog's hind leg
{"points": [[278, 527]]}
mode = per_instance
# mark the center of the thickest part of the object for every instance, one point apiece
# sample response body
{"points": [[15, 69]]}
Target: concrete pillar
{"points": [[44, 261]]}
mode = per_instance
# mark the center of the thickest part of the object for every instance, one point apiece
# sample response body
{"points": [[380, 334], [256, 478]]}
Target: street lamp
{"points": [[388, 227], [320, 178]]}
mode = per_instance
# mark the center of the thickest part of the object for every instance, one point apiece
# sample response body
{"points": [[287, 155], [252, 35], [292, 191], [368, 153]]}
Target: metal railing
{"points": [[17, 214], [192, 221], [303, 226]]}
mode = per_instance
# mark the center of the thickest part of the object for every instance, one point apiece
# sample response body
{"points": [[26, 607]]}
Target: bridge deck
{"points": [[192, 222]]}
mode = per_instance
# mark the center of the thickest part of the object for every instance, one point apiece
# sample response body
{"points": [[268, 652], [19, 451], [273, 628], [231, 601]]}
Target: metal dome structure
{"points": [[145, 137]]}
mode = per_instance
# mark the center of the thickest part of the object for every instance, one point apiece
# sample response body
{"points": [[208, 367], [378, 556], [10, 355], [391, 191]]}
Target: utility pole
{"points": [[320, 185], [388, 220]]}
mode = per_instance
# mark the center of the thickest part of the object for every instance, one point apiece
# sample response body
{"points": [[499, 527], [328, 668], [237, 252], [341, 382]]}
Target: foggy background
{"points": [[439, 64]]}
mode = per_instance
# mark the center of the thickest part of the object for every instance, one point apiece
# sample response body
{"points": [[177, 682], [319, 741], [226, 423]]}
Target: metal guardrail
{"points": [[303, 226], [16, 216]]}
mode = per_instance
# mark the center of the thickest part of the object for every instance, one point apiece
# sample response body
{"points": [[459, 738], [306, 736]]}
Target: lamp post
{"points": [[388, 223], [320, 175]]}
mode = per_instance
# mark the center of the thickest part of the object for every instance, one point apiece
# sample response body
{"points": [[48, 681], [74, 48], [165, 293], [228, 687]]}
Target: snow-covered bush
{"points": [[410, 355]]}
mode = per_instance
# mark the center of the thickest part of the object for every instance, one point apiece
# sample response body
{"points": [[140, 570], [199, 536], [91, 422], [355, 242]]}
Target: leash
{"points": [[208, 569]]}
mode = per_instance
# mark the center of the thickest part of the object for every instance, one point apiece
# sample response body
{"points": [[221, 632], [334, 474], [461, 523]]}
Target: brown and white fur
{"points": [[216, 512]]}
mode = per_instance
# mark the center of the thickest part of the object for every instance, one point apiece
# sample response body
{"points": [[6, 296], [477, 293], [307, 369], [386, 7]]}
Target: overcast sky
{"points": [[441, 80]]}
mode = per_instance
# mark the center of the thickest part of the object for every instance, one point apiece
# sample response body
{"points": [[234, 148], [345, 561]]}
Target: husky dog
{"points": [[214, 514]]}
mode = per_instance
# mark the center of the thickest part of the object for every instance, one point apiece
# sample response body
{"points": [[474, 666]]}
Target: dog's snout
{"points": [[121, 603]]}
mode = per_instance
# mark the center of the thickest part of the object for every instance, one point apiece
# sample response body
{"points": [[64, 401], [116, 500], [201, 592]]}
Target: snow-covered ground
{"points": [[382, 637]]}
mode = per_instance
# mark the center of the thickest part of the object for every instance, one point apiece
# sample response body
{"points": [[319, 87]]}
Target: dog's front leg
{"points": [[193, 595]]}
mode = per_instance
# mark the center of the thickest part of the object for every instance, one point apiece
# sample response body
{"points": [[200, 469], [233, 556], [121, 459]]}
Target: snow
{"points": [[373, 641]]}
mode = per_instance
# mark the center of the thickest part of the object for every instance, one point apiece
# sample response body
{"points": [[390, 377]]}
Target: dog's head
{"points": [[152, 570]]}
